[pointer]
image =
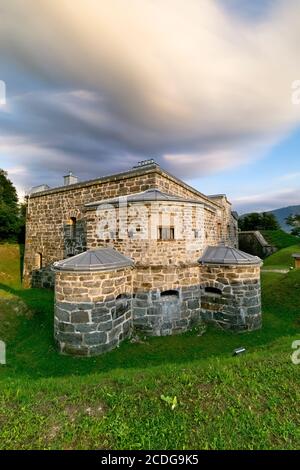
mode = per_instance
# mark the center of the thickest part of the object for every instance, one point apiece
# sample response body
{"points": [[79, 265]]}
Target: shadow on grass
{"points": [[22, 254], [33, 352]]}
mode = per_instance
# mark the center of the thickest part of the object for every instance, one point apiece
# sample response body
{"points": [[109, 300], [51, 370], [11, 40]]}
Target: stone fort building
{"points": [[139, 250]]}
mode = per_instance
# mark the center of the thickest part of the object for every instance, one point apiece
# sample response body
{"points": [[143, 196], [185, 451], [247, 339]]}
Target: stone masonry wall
{"points": [[93, 311], [162, 313], [166, 299], [237, 306], [43, 278], [48, 212], [140, 224]]}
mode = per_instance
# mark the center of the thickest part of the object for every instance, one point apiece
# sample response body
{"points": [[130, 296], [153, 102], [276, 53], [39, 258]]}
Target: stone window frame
{"points": [[73, 224], [38, 260]]}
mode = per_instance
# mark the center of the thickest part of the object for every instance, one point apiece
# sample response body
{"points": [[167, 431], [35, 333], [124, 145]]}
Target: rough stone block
{"points": [[193, 304], [85, 327], [79, 317], [105, 326], [95, 338], [73, 339], [66, 327]]}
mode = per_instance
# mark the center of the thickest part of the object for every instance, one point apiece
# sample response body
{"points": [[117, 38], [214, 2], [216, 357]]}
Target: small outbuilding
{"points": [[296, 257]]}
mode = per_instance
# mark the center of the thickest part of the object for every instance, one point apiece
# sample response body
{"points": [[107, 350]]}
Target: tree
{"points": [[22, 222], [10, 220], [294, 222], [257, 221], [269, 221]]}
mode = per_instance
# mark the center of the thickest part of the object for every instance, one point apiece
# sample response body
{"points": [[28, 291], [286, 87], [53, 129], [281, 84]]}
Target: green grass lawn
{"points": [[49, 401], [280, 238], [282, 259]]}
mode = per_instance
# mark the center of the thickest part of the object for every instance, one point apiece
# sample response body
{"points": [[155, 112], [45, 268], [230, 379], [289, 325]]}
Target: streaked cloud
{"points": [[94, 86], [269, 200]]}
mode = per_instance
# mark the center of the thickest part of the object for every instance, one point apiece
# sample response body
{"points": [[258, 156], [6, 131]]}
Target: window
{"points": [[219, 230], [168, 293], [38, 261], [166, 233], [72, 223], [213, 291]]}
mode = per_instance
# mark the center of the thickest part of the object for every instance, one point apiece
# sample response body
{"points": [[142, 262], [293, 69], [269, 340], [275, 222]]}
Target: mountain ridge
{"points": [[281, 214]]}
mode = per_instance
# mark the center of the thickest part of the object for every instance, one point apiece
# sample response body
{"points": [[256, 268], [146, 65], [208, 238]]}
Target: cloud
{"points": [[94, 86], [268, 201], [290, 176]]}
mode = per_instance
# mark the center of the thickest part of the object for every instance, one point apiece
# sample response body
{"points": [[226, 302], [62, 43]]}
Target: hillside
{"points": [[280, 239], [123, 399], [284, 212], [281, 215]]}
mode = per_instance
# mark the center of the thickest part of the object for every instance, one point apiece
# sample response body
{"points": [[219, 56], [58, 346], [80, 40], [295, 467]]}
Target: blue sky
{"points": [[202, 86], [270, 182]]}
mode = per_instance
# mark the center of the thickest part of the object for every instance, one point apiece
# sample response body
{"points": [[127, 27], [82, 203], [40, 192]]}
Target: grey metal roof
{"points": [[152, 194], [38, 189], [101, 259], [226, 255], [296, 255]]}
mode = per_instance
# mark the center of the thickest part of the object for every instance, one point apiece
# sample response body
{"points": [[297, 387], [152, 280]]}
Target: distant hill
{"points": [[282, 214]]}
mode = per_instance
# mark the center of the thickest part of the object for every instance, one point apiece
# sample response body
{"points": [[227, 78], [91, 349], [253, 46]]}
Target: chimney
{"points": [[70, 179]]}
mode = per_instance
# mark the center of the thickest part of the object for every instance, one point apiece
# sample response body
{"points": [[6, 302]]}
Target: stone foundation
{"points": [[93, 311], [92, 328], [43, 278]]}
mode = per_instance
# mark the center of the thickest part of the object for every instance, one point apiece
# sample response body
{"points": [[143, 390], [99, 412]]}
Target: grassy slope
{"points": [[280, 238], [113, 401], [282, 258]]}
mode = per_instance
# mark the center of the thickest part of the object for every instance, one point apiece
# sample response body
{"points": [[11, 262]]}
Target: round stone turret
{"points": [[93, 296], [231, 288]]}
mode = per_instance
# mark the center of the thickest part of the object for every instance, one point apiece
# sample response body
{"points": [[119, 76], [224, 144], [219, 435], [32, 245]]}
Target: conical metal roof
{"points": [[226, 255], [101, 259]]}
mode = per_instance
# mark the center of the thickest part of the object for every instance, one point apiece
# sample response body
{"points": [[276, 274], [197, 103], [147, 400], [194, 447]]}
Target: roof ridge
{"points": [[101, 259], [227, 255]]}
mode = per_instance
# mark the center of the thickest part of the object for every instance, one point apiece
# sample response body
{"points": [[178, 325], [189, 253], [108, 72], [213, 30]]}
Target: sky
{"points": [[208, 88]]}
